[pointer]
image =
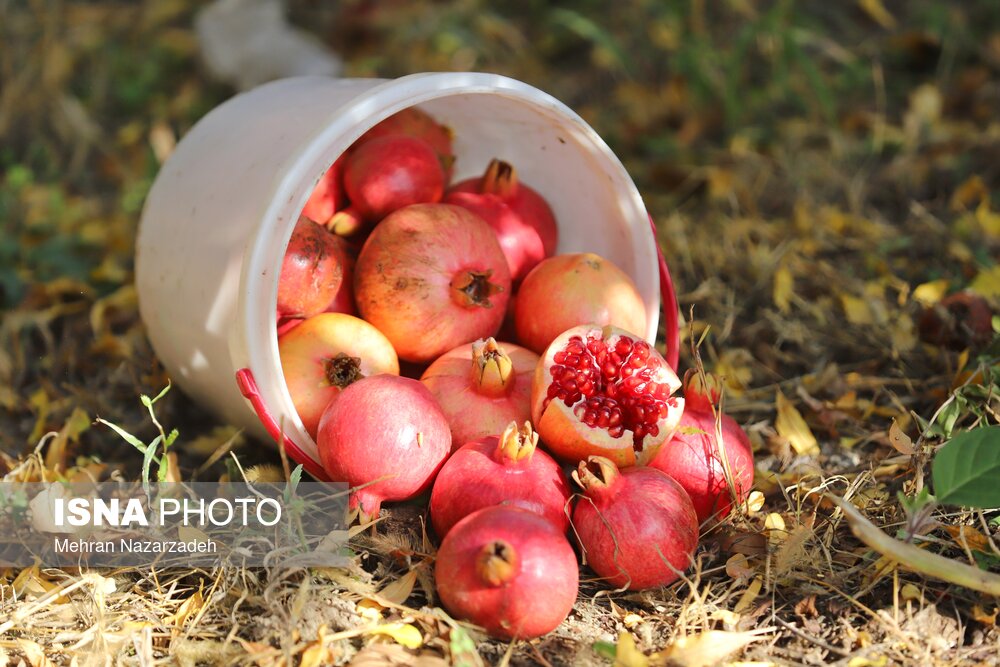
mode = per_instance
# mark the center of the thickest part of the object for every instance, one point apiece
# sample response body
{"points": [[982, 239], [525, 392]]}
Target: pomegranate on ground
{"points": [[508, 570], [387, 174], [601, 390], [385, 435], [328, 196], [482, 387], [432, 277], [413, 122], [501, 180], [694, 458], [637, 527], [326, 353], [500, 470], [311, 271], [569, 290]]}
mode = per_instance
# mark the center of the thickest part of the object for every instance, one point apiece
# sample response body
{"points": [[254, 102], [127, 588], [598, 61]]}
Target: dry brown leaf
{"points": [[899, 440], [738, 565], [967, 536], [399, 590], [972, 192], [187, 609], [706, 648], [980, 616], [34, 654], [791, 426]]}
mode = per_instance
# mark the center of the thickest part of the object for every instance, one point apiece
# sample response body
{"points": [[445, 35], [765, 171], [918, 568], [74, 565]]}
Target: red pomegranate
{"points": [[501, 180], [569, 290], [412, 122], [637, 527], [388, 173], [326, 353], [694, 458], [385, 435], [343, 302], [311, 271], [500, 470], [328, 196], [508, 570], [482, 387], [601, 390], [432, 277]]}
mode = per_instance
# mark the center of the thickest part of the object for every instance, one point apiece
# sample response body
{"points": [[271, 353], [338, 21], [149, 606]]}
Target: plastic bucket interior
{"points": [[222, 209]]}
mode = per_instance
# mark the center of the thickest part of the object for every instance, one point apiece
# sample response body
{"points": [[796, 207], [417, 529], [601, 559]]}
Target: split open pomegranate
{"points": [[604, 391]]}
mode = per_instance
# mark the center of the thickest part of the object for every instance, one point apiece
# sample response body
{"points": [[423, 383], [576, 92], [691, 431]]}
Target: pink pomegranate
{"points": [[694, 458], [500, 470], [388, 173], [637, 527], [482, 387], [385, 435], [311, 271], [569, 290], [412, 122], [324, 354], [328, 196], [501, 180], [602, 391], [432, 277], [508, 570]]}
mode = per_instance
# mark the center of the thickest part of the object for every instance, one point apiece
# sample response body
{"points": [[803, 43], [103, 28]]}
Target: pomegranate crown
{"points": [[597, 474], [517, 444], [496, 563], [702, 390], [492, 368], [500, 179]]}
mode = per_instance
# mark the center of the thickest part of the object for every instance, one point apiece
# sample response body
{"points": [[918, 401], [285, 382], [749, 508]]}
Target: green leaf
{"points": [[966, 471], [605, 649]]}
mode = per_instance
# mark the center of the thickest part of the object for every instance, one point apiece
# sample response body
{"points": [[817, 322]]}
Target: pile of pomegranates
{"points": [[432, 341]]}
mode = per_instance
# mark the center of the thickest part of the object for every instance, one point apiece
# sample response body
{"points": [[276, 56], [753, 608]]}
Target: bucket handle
{"points": [[669, 297]]}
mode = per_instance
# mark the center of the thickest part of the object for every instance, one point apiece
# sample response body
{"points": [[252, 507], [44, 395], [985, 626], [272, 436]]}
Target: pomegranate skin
{"points": [[326, 353], [311, 271], [521, 244], [569, 290], [432, 277], [501, 179], [328, 196], [694, 459], [509, 571], [482, 387], [637, 527], [412, 122], [383, 426], [343, 302], [389, 173], [500, 470]]}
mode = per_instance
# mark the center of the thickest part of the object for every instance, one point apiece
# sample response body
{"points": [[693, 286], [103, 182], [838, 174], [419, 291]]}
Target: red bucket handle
{"points": [[670, 325]]}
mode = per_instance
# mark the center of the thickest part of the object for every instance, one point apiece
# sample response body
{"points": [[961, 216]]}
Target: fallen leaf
{"points": [[404, 634], [856, 310], [707, 648], [187, 609], [971, 192], [399, 590], [627, 654], [979, 615], [738, 565], [967, 536], [749, 595], [784, 288], [899, 440], [318, 652], [987, 282], [862, 661], [878, 13], [927, 294], [34, 653], [791, 426]]}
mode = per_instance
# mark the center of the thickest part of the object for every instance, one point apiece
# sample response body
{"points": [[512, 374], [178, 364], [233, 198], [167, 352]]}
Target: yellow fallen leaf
{"points": [[927, 294], [631, 620], [707, 648], [972, 190], [318, 652], [34, 653], [774, 524], [856, 310], [627, 654], [878, 13], [400, 589], [749, 595], [188, 609], [987, 282], [988, 219], [861, 661], [784, 288], [738, 565], [755, 502], [402, 633], [791, 426]]}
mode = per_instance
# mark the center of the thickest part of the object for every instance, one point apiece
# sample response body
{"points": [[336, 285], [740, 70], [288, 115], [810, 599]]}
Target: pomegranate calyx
{"points": [[496, 563], [365, 505], [702, 390], [516, 444], [596, 475], [500, 179], [492, 368], [342, 370], [473, 288]]}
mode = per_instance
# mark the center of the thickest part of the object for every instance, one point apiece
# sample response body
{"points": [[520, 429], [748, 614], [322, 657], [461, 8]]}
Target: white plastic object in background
{"points": [[222, 209]]}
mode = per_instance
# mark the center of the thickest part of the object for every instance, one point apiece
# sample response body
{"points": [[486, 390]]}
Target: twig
{"points": [[915, 558], [810, 638]]}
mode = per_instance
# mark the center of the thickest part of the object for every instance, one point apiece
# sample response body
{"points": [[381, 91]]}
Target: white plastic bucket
{"points": [[222, 209]]}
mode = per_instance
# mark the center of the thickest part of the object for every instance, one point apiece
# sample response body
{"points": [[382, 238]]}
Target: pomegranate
{"points": [[311, 271], [325, 354], [413, 122], [637, 527], [328, 196], [604, 391], [521, 244], [431, 277], [501, 180], [694, 458], [482, 387], [509, 571], [569, 290], [500, 470], [343, 302], [385, 435], [386, 174]]}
